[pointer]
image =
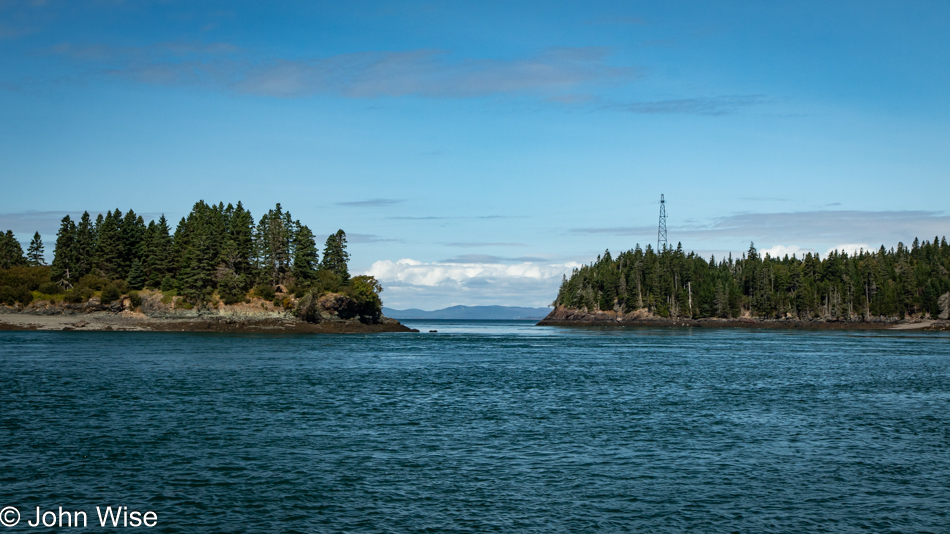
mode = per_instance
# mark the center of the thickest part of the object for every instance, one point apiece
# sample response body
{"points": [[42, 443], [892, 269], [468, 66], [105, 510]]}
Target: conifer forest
{"points": [[900, 282], [216, 253]]}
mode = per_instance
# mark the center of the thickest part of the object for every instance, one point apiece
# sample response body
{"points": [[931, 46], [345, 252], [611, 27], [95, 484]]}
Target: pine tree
{"points": [[158, 251], [722, 300], [274, 243], [136, 275], [180, 241], [335, 256], [63, 266], [305, 255], [237, 251], [132, 231], [11, 252], [197, 247], [241, 232], [147, 251], [196, 279], [109, 251], [34, 254], [85, 246], [235, 272]]}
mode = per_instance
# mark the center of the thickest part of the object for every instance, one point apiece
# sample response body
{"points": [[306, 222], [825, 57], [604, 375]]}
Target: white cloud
{"points": [[850, 249], [438, 273], [411, 283], [779, 251]]}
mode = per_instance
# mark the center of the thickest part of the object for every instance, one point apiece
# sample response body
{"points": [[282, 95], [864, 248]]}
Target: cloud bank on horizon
{"points": [[407, 280], [495, 145]]}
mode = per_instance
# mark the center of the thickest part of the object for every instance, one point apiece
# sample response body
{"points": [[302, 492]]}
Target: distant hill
{"points": [[484, 313]]}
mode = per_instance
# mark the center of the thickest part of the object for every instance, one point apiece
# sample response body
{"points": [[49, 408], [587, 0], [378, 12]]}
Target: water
{"points": [[482, 427]]}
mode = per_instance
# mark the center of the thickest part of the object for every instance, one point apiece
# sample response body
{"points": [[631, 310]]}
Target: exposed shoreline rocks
{"points": [[333, 314], [563, 316]]}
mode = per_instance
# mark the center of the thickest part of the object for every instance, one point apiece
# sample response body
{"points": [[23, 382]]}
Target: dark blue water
{"points": [[482, 428]]}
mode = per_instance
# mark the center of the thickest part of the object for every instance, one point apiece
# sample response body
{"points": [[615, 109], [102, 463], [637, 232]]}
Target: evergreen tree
{"points": [[180, 241], [335, 256], [34, 254], [237, 251], [305, 255], [109, 250], [235, 271], [63, 268], [132, 230], [146, 256], [136, 275], [197, 246], [196, 279], [274, 242], [11, 252], [158, 253], [85, 246]]}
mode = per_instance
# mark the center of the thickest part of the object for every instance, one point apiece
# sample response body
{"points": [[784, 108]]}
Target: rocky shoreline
{"points": [[562, 316], [154, 315], [137, 322]]}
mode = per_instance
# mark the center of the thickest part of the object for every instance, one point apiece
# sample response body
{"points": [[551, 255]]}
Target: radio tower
{"points": [[661, 232]]}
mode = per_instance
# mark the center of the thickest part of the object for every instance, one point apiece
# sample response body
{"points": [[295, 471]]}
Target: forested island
{"points": [[218, 265], [643, 286]]}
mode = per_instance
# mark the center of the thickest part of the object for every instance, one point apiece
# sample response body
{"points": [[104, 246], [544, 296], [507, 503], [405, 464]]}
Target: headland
{"points": [[152, 312]]}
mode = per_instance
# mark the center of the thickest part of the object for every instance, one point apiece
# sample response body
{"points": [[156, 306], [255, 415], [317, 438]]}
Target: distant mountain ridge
{"points": [[484, 313]]}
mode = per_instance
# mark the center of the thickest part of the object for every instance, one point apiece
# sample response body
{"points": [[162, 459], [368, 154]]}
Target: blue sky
{"points": [[475, 152]]}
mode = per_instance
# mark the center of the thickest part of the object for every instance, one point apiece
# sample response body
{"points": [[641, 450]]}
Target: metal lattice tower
{"points": [[661, 232]]}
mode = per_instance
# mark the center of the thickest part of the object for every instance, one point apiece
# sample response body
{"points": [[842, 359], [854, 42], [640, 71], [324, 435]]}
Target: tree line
{"points": [[891, 283], [214, 250]]}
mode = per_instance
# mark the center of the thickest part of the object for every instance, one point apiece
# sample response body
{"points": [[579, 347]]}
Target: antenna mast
{"points": [[661, 232]]}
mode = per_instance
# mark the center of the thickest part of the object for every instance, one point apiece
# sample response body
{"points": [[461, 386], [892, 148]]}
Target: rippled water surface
{"points": [[482, 427]]}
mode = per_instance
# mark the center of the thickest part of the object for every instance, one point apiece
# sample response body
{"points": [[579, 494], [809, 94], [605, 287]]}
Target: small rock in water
{"points": [[433, 331]]}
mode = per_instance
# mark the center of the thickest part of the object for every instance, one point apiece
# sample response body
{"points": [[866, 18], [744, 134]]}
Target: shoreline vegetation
{"points": [[901, 288], [218, 271]]}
